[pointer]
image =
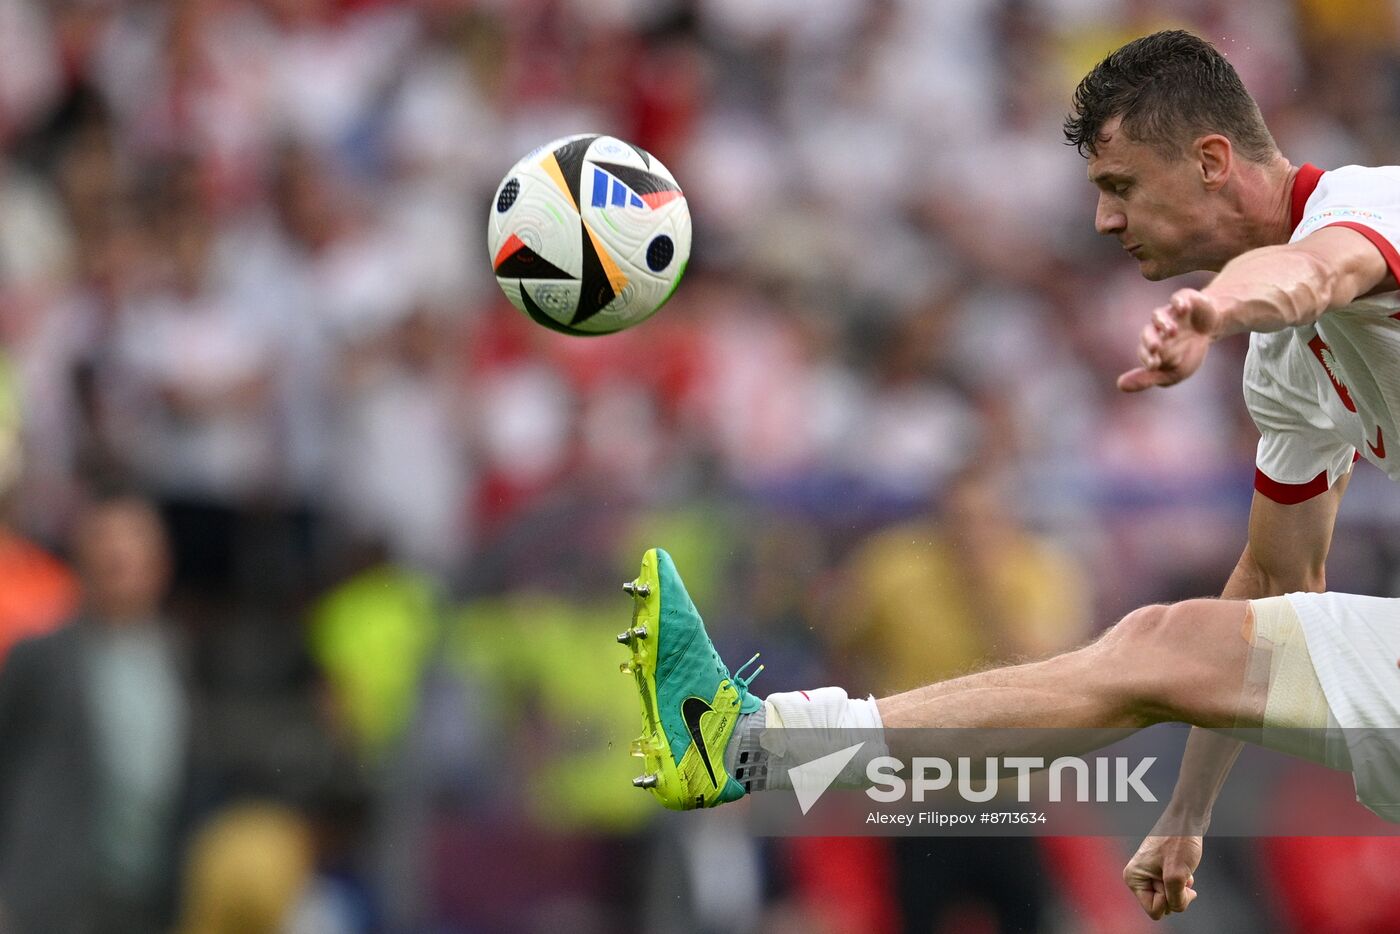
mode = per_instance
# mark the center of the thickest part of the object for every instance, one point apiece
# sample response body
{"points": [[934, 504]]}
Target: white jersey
{"points": [[1324, 394]]}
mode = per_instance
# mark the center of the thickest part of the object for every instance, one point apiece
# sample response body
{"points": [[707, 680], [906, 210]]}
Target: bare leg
{"points": [[1190, 662], [1187, 662]]}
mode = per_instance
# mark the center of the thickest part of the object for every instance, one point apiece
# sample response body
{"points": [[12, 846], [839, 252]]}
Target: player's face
{"points": [[1155, 206]]}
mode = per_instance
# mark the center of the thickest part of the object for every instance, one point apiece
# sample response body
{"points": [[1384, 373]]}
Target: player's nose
{"points": [[1108, 217]]}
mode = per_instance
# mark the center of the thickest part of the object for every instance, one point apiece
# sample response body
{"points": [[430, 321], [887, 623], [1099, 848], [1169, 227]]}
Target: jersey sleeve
{"points": [[1301, 453], [1363, 199]]}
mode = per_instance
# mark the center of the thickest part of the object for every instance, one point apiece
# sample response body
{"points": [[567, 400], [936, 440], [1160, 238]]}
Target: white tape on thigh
{"points": [[1297, 719]]}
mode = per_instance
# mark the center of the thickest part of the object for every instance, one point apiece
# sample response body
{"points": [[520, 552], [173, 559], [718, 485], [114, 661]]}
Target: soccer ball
{"points": [[589, 235]]}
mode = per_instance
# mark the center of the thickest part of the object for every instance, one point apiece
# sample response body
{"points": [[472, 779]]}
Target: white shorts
{"points": [[1355, 646]]}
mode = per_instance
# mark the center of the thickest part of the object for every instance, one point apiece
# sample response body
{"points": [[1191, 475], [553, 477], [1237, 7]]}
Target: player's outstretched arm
{"points": [[1267, 289], [1287, 552]]}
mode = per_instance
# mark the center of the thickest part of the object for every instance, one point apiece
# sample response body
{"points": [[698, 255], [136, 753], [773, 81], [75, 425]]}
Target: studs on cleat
{"points": [[646, 746]]}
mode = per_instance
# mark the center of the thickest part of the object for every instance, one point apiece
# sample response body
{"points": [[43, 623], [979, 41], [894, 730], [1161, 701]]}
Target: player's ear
{"points": [[1214, 156]]}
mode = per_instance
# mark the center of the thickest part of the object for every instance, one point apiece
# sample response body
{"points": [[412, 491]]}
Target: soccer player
{"points": [[1189, 179]]}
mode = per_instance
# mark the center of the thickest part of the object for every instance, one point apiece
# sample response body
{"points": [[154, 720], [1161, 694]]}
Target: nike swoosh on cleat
{"points": [[692, 709]]}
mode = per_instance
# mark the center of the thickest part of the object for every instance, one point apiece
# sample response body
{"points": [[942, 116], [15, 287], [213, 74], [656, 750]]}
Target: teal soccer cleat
{"points": [[690, 702]]}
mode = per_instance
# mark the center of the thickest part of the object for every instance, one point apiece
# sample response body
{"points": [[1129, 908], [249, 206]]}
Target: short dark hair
{"points": [[1170, 88]]}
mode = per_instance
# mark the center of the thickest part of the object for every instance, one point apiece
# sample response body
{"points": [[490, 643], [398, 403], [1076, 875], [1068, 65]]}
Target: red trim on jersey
{"points": [[1290, 494], [1378, 240], [1304, 184]]}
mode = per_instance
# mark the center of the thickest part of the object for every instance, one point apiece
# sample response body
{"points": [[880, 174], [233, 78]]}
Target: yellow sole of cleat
{"points": [[652, 746]]}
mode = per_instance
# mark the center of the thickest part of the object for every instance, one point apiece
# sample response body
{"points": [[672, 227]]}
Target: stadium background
{"points": [[242, 273]]}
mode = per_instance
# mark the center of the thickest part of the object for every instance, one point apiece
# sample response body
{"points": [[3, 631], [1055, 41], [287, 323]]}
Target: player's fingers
{"points": [[1141, 378], [1163, 322], [1178, 888], [1149, 347], [1183, 301], [1166, 356], [1161, 907], [1133, 380], [1151, 901], [1197, 308], [1169, 907]]}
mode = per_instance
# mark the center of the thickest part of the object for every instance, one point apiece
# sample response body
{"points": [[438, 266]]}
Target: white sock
{"points": [[822, 709], [800, 726]]}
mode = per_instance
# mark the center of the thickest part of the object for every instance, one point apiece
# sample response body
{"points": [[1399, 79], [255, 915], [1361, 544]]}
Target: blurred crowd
{"points": [[309, 542]]}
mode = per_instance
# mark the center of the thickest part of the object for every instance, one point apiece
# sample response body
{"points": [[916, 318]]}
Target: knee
{"points": [[1137, 654], [1140, 634]]}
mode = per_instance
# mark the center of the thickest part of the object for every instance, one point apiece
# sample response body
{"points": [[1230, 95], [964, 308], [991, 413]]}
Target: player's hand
{"points": [[1174, 344], [1162, 874]]}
